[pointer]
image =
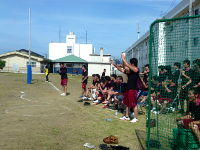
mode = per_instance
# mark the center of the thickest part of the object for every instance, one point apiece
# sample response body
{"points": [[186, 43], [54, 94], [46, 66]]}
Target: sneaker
{"points": [[156, 112], [134, 120], [124, 118], [89, 98], [63, 94], [96, 101], [84, 98]]}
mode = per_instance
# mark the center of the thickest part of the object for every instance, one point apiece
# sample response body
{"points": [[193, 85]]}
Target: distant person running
{"points": [[84, 81], [46, 70], [64, 78], [104, 73]]}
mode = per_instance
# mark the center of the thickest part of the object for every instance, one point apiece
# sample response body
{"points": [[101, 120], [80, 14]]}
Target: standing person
{"points": [[186, 76], [84, 81], [46, 70], [64, 78], [104, 73], [130, 96]]}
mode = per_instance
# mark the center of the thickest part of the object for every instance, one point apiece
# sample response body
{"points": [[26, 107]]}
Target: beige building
{"points": [[16, 61]]}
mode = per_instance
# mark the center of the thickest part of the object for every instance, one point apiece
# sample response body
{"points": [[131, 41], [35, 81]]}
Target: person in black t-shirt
{"points": [[64, 78], [104, 73], [84, 81], [130, 96], [176, 73], [196, 76], [186, 76], [192, 119]]}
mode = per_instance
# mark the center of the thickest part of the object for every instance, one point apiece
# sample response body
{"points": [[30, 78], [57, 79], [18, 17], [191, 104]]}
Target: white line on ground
{"points": [[22, 96], [57, 89]]}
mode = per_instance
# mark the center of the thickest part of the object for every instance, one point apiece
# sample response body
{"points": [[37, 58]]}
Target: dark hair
{"points": [[177, 64], [120, 77], [197, 62], [84, 66], [98, 76], [134, 61], [147, 65], [114, 76], [93, 75], [195, 90], [186, 62], [61, 63], [161, 67], [107, 78], [103, 81]]}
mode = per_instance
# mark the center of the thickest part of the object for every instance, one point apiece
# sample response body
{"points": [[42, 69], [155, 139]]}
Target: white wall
{"points": [[85, 51], [57, 50], [94, 68]]}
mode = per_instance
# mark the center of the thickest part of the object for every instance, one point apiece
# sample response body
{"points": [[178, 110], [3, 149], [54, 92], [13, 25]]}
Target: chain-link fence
{"points": [[173, 119]]}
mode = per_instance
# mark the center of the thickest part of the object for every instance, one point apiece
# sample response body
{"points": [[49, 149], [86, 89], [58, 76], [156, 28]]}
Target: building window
{"points": [[69, 49], [171, 48], [196, 40], [186, 44], [196, 12], [33, 64]]}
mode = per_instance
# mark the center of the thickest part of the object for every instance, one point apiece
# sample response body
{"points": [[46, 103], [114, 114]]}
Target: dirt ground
{"points": [[36, 117]]}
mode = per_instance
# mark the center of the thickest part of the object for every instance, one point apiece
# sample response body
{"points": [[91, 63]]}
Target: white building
{"points": [[140, 48], [96, 62]]}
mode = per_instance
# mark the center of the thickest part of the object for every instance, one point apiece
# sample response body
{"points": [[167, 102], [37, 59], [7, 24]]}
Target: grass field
{"points": [[41, 119]]}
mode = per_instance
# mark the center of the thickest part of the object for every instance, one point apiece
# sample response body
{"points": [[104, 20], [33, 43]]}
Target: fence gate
{"points": [[174, 58]]}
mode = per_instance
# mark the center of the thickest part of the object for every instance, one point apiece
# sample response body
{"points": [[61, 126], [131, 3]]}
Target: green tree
{"points": [[2, 64]]}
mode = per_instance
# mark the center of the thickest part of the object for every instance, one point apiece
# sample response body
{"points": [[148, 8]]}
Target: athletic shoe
{"points": [[89, 98], [124, 118], [84, 98], [96, 101], [156, 112], [134, 120], [63, 94]]}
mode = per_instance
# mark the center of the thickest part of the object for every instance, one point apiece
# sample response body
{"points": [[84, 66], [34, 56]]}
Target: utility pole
{"points": [[29, 69], [29, 52], [189, 52], [138, 31]]}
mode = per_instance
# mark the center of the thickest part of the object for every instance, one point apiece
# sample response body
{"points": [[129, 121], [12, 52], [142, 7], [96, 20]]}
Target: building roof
{"points": [[19, 53], [31, 52], [70, 58]]}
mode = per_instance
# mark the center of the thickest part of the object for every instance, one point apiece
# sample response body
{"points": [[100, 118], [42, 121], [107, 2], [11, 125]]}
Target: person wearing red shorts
{"points": [[64, 78], [130, 96], [192, 119], [84, 81]]}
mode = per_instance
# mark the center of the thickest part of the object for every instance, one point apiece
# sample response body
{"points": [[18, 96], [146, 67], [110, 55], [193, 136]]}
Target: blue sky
{"points": [[111, 24]]}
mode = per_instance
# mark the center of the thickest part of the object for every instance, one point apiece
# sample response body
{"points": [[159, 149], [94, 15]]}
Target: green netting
{"points": [[173, 41]]}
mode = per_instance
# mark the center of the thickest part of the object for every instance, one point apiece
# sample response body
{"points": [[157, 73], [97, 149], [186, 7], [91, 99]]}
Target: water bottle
{"points": [[116, 113]]}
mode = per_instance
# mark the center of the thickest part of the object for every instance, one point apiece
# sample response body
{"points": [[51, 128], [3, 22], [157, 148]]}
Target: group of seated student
{"points": [[169, 90], [110, 90], [107, 90]]}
